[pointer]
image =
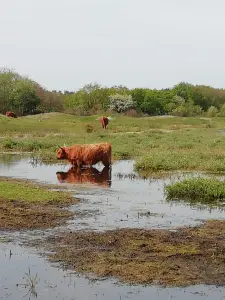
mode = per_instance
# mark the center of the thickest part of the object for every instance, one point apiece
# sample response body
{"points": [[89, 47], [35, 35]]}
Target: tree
{"points": [[121, 103], [8, 79], [184, 90], [174, 103], [23, 97], [138, 95], [156, 101]]}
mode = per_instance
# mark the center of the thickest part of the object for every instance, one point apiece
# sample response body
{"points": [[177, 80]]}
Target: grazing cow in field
{"points": [[104, 121], [10, 114], [86, 155], [87, 175]]}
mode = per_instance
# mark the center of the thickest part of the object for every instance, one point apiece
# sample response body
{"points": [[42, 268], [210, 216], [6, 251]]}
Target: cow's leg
{"points": [[72, 162], [106, 162], [79, 163]]}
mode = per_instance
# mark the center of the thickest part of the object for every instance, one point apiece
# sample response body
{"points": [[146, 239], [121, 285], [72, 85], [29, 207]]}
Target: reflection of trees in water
{"points": [[130, 176], [36, 161], [86, 175], [8, 159]]}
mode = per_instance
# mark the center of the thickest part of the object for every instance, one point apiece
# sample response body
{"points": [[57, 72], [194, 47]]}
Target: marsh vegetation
{"points": [[158, 145], [27, 205]]}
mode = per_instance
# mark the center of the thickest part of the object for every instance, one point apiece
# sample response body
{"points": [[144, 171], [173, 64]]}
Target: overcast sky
{"points": [[65, 44]]}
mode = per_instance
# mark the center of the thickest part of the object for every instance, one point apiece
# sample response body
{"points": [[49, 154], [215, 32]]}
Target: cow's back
{"points": [[104, 121], [96, 152], [10, 114], [89, 154]]}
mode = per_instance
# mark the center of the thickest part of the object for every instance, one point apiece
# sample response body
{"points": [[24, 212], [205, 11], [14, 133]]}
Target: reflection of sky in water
{"points": [[125, 204], [125, 198], [57, 284]]}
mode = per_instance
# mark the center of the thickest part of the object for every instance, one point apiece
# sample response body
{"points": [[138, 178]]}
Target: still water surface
{"points": [[108, 201]]}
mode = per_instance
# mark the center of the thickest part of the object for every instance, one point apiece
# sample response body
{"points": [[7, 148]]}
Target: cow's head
{"points": [[61, 153]]}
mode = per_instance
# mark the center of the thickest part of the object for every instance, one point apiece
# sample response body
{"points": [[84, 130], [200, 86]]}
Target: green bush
{"points": [[221, 112], [10, 144], [187, 110], [212, 112]]}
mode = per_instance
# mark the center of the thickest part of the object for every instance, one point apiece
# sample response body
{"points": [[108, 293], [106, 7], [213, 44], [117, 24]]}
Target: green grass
{"points": [[206, 190], [12, 190], [197, 158], [157, 143], [27, 205]]}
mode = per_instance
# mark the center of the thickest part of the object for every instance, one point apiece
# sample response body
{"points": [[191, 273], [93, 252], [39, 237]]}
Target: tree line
{"points": [[24, 96]]}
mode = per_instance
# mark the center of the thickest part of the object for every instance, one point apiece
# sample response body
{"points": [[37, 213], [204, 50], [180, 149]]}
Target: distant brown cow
{"points": [[88, 175], [104, 121], [10, 114], [86, 155]]}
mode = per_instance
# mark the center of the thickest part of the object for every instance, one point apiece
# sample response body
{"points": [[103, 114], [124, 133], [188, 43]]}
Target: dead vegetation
{"points": [[184, 257], [26, 205], [17, 215]]}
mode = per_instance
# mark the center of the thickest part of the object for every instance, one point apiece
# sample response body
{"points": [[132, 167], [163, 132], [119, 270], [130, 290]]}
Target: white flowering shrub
{"points": [[121, 103], [212, 112]]}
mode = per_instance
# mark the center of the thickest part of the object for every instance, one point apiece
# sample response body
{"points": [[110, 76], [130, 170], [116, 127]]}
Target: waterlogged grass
{"points": [[25, 205], [158, 144], [199, 159], [188, 256], [207, 190]]}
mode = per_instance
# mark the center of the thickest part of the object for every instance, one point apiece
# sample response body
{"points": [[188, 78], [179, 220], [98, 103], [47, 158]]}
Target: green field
{"points": [[156, 143]]}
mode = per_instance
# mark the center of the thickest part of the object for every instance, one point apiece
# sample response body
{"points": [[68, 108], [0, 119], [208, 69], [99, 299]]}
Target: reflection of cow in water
{"points": [[88, 175]]}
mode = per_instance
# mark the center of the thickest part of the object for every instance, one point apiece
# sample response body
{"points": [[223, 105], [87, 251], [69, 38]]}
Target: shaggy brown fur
{"points": [[86, 155], [10, 114], [91, 175], [104, 122]]}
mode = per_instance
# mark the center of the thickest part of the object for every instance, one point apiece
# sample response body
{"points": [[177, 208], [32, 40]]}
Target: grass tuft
{"points": [[207, 190]]}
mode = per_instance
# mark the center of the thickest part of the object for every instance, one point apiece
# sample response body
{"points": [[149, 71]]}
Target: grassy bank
{"points": [[186, 257], [159, 143], [206, 190], [25, 205]]}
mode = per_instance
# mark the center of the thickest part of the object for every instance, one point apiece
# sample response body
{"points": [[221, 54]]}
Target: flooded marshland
{"points": [[114, 198], [54, 283], [110, 199]]}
